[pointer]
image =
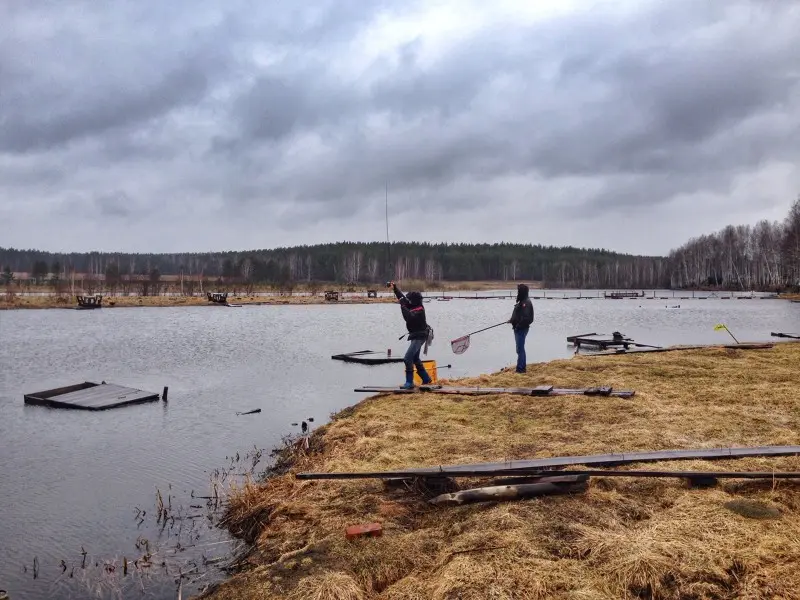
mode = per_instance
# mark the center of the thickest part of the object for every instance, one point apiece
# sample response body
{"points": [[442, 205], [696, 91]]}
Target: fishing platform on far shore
{"points": [[90, 396]]}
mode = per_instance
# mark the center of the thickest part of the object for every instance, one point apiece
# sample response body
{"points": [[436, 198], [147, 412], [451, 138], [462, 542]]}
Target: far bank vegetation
{"points": [[764, 257]]}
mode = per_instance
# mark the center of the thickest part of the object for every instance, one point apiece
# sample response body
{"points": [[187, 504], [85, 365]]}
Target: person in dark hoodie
{"points": [[417, 325], [521, 319]]}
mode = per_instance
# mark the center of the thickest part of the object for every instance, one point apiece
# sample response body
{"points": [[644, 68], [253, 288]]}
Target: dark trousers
{"points": [[519, 337], [411, 358]]}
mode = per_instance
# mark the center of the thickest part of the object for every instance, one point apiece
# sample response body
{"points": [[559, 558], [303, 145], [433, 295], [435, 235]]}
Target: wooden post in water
{"points": [[164, 393]]}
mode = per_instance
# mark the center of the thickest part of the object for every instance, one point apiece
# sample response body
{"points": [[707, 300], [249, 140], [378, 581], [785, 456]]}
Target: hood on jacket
{"points": [[415, 298], [522, 292]]}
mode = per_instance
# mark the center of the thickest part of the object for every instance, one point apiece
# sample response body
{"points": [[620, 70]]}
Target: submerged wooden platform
{"points": [[542, 390], [368, 357], [90, 396]]}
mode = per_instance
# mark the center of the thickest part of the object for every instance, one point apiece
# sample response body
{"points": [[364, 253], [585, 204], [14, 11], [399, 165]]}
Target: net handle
{"points": [[484, 329]]}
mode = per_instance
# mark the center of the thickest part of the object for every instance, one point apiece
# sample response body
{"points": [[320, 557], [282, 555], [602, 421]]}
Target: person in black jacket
{"points": [[417, 325], [521, 320]]}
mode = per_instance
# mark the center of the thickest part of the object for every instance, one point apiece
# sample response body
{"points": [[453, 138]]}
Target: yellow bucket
{"points": [[430, 367]]}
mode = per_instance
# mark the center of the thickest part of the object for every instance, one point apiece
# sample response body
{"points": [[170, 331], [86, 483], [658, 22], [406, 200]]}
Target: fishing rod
{"points": [[388, 243]]}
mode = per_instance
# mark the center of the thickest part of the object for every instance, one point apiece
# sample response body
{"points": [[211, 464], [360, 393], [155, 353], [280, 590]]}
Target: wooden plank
{"points": [[572, 338], [599, 391], [479, 391], [512, 466], [627, 458], [368, 357], [63, 390], [524, 476], [679, 348], [542, 390], [101, 395], [686, 474], [744, 346]]}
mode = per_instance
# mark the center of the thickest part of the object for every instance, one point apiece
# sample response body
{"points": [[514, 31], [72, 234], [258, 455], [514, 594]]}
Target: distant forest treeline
{"points": [[766, 256], [763, 257], [354, 263]]}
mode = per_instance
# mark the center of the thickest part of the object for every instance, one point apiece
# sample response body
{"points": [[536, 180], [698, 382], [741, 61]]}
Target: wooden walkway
{"points": [[542, 390], [90, 396]]}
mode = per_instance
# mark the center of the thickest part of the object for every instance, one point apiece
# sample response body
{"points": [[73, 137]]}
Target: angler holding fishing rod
{"points": [[419, 334]]}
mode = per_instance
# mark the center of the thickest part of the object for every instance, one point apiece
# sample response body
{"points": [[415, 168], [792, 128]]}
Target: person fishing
{"points": [[419, 334], [521, 319]]}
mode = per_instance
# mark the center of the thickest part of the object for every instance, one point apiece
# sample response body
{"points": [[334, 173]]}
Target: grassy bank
{"points": [[623, 538]]}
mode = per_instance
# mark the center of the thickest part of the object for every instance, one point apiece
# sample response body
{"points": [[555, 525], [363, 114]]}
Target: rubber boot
{"points": [[426, 379], [409, 384]]}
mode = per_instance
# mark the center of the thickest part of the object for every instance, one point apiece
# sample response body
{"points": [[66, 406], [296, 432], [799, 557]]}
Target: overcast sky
{"points": [[155, 126]]}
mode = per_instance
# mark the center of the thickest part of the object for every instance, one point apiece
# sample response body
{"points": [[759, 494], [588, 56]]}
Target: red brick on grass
{"points": [[369, 529]]}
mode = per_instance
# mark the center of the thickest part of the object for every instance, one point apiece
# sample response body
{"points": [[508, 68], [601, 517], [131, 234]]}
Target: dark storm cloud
{"points": [[83, 89], [303, 112], [644, 108]]}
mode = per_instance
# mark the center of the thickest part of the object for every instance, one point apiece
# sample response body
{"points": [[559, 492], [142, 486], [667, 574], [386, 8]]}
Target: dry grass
{"points": [[623, 538]]}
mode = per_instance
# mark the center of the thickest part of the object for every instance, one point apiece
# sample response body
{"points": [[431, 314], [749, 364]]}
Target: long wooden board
{"points": [[368, 357], [521, 466], [542, 390], [744, 346]]}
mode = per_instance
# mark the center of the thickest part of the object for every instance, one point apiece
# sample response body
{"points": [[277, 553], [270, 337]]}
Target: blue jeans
{"points": [[519, 337], [412, 355]]}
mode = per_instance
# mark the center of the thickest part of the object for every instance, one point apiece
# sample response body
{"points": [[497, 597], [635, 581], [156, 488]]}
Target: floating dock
{"points": [[90, 396], [617, 340], [368, 357]]}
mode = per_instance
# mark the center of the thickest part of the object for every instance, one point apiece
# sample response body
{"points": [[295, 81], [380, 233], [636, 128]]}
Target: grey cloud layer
{"points": [[110, 112]]}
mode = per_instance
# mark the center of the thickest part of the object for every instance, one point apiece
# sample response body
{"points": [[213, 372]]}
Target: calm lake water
{"points": [[72, 479]]}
